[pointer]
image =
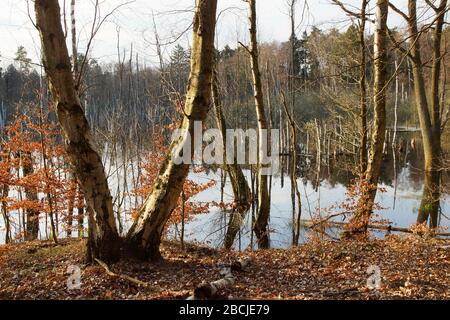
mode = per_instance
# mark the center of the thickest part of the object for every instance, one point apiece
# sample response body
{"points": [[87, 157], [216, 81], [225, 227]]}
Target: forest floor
{"points": [[411, 268]]}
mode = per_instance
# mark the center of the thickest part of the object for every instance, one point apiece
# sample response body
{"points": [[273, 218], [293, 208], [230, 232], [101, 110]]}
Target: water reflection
{"points": [[403, 185]]}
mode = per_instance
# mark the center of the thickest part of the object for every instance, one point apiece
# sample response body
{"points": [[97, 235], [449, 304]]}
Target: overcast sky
{"points": [[172, 17]]}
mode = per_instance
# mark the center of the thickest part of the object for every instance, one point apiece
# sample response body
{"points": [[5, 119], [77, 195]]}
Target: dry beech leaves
{"points": [[410, 267]]}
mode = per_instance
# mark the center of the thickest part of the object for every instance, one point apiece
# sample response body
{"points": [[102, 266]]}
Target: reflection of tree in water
{"points": [[408, 166]]}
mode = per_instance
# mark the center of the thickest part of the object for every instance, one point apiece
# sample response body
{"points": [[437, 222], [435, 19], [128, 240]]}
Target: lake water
{"points": [[400, 204], [210, 228]]}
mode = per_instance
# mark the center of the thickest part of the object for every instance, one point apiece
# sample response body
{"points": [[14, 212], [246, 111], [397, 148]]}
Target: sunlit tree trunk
{"points": [[262, 219], [430, 120], [103, 237], [72, 177], [379, 122], [429, 206], [144, 236]]}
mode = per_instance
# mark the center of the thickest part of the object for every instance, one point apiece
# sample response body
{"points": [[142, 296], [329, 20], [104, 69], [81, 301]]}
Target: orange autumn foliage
{"points": [[150, 169], [32, 139]]}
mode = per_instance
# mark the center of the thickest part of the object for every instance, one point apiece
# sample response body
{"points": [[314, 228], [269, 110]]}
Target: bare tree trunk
{"points": [[104, 242], [394, 138], [5, 215], [144, 236], [262, 219], [70, 205], [74, 39], [318, 153], [430, 122], [32, 230], [296, 217], [183, 217], [241, 190], [75, 74], [363, 89], [379, 122], [429, 206], [47, 178], [4, 191], [80, 212]]}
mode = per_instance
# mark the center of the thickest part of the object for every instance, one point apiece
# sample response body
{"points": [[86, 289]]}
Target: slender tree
{"points": [[32, 231], [429, 113], [103, 237], [379, 122], [144, 236], [362, 17], [262, 219], [241, 190]]}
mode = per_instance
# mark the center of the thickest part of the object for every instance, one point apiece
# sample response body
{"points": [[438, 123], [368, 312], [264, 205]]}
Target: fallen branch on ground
{"points": [[313, 225], [121, 276], [211, 290]]}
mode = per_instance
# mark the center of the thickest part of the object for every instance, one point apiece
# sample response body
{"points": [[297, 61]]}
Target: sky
{"points": [[133, 21]]}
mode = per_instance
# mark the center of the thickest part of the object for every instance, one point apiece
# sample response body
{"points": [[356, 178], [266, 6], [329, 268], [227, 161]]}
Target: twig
{"points": [[121, 276]]}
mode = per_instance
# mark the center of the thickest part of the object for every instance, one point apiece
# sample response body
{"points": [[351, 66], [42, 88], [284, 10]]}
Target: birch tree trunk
{"points": [[74, 39], [144, 236], [379, 122], [262, 219], [103, 240], [75, 73]]}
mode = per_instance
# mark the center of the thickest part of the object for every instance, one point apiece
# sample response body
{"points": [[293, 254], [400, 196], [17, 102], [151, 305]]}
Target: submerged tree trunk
{"points": [[296, 217], [104, 242], [241, 190], [430, 120], [429, 206], [262, 219], [144, 236], [379, 123]]}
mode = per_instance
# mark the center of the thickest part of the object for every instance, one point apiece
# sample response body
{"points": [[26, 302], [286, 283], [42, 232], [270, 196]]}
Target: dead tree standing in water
{"points": [[260, 227], [241, 190]]}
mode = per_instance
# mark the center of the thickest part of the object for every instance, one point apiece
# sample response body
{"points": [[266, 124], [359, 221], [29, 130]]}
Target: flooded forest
{"points": [[191, 167]]}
